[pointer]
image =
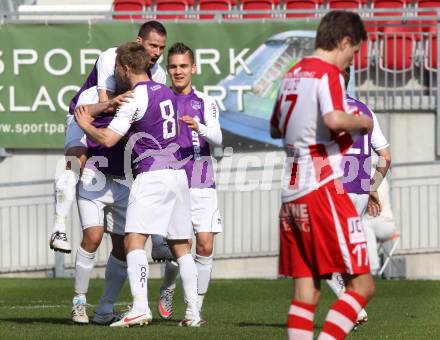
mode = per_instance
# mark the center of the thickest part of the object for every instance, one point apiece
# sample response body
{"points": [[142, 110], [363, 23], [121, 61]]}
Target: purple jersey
{"points": [[151, 119], [114, 155], [357, 161], [199, 168]]}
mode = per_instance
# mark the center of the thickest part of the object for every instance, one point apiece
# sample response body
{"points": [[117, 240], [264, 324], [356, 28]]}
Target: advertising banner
{"points": [[240, 64]]}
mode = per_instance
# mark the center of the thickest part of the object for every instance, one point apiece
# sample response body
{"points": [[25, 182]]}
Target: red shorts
{"points": [[321, 234]]}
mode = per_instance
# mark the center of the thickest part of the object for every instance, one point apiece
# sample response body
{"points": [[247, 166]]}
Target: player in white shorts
{"points": [[102, 202], [152, 36], [159, 200], [359, 185], [200, 129]]}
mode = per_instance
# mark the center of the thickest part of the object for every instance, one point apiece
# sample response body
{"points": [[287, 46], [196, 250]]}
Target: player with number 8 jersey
{"points": [[159, 201]]}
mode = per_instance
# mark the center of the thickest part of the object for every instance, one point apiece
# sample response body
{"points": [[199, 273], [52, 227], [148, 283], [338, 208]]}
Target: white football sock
{"points": [[115, 275], [170, 275], [204, 269], [336, 284], [84, 264], [65, 190], [188, 273], [137, 269]]}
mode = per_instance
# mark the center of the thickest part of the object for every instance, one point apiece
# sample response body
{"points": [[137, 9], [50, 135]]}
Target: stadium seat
{"points": [[171, 5], [397, 48], [388, 4], [344, 4], [388, 252], [261, 5], [430, 52], [213, 6], [361, 62], [423, 4], [300, 5], [128, 6]]}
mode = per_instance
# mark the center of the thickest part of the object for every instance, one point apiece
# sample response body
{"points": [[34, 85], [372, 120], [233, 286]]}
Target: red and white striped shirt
{"points": [[309, 90]]}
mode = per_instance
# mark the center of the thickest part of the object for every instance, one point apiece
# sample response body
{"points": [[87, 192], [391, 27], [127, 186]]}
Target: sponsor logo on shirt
{"points": [[135, 116], [196, 105], [214, 110]]}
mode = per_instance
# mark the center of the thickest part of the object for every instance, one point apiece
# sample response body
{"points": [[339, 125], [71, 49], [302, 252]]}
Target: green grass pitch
{"points": [[235, 309]]}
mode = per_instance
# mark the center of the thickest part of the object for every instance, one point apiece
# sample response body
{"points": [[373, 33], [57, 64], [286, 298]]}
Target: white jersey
{"points": [[310, 90], [106, 71]]}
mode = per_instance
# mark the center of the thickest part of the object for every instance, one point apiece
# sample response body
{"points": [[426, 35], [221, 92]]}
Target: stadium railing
{"points": [[249, 208]]}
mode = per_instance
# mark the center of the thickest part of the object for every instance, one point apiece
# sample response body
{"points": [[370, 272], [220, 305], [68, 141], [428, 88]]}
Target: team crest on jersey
{"points": [[155, 87], [196, 105]]}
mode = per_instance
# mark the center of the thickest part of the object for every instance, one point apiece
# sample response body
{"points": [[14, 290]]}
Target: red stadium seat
{"points": [[430, 55], [344, 4], [128, 6], [261, 5], [422, 4], [300, 5], [397, 48], [213, 6], [388, 4], [171, 5]]}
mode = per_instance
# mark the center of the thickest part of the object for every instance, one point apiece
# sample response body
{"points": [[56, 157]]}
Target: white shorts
{"points": [[75, 136], [360, 202], [205, 216], [159, 204], [102, 201]]}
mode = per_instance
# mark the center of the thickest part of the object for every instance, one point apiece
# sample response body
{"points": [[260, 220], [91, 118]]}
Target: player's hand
{"points": [[121, 99], [191, 122], [374, 205], [83, 117]]}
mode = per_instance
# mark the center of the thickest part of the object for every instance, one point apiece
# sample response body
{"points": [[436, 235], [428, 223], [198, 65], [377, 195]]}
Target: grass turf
{"points": [[235, 309]]}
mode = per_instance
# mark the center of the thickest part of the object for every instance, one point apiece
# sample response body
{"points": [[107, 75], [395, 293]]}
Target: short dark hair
{"points": [[133, 55], [335, 26], [181, 48], [151, 26]]}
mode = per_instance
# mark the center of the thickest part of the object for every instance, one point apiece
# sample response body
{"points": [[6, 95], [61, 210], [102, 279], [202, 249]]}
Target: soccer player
{"points": [[200, 129], [310, 116], [152, 36], [102, 200], [359, 185], [159, 197]]}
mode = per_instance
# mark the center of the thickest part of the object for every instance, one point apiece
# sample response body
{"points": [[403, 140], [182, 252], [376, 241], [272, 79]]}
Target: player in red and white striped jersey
{"points": [[310, 115]]}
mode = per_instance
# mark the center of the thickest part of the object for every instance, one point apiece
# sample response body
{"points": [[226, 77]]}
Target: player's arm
{"points": [[340, 121], [104, 136], [210, 131], [106, 83], [98, 108], [331, 96], [381, 147]]}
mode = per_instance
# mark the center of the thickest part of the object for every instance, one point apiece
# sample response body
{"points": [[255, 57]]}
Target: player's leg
{"points": [[349, 255], [302, 308], [180, 232], [160, 250], [84, 263], [181, 249], [203, 259], [65, 186]]}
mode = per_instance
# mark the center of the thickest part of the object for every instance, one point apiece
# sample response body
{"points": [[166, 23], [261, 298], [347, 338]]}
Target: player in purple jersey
{"points": [[200, 128], [361, 187], [102, 203], [152, 36], [159, 201]]}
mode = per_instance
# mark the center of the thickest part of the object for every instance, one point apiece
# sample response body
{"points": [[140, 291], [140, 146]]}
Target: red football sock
{"points": [[342, 316], [300, 321]]}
